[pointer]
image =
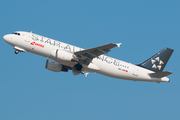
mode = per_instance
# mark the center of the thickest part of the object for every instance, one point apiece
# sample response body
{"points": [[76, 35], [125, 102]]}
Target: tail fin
{"points": [[157, 62]]}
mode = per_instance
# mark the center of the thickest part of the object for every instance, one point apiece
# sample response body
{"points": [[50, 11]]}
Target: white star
{"points": [[157, 66], [154, 66], [161, 62], [157, 59], [153, 61]]}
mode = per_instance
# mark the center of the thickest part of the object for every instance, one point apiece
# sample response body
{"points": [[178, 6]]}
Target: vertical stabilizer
{"points": [[157, 62]]}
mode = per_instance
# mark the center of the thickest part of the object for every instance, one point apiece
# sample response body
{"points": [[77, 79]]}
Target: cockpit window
{"points": [[16, 33]]}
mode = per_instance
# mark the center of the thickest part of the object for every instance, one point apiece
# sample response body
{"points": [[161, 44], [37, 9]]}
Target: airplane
{"points": [[64, 57]]}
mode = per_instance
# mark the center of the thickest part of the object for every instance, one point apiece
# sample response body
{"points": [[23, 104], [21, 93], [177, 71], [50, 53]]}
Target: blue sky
{"points": [[29, 91]]}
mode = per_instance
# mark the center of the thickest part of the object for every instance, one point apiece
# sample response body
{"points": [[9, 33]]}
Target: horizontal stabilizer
{"points": [[160, 74]]}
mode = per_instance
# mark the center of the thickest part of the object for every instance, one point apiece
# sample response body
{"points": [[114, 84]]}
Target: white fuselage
{"points": [[106, 65]]}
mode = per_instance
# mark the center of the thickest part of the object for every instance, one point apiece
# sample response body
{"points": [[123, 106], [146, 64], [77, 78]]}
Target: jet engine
{"points": [[55, 66], [63, 55], [77, 69]]}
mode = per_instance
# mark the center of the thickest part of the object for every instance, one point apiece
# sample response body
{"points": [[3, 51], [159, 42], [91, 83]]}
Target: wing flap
{"points": [[95, 52]]}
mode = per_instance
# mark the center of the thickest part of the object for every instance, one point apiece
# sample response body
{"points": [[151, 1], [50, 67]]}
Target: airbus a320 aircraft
{"points": [[64, 57]]}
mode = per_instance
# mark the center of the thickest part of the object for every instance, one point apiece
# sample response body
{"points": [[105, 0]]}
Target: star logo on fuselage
{"points": [[157, 63]]}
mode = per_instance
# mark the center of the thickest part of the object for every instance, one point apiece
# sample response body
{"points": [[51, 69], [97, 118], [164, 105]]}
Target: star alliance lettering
{"points": [[106, 59]]}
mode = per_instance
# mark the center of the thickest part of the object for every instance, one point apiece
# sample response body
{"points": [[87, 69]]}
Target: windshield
{"points": [[16, 33]]}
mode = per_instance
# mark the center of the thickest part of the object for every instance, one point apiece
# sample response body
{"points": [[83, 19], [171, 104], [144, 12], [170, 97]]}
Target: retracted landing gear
{"points": [[85, 74], [77, 69]]}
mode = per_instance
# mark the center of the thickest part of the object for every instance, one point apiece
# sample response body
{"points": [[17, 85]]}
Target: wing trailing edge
{"points": [[95, 52]]}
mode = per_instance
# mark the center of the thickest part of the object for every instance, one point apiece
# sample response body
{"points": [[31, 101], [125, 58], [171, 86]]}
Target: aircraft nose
{"points": [[5, 37]]}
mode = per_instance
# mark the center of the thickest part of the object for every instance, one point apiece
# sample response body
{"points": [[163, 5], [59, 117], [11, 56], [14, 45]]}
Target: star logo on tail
{"points": [[157, 63]]}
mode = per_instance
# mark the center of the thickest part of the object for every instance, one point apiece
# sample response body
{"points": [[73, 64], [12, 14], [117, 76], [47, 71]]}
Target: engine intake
{"points": [[77, 69]]}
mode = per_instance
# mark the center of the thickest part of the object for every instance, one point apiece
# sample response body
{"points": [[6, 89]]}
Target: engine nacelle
{"points": [[53, 66], [62, 55], [77, 69], [75, 72]]}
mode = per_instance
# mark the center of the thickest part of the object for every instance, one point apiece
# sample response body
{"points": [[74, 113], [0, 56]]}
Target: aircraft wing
{"points": [[91, 53]]}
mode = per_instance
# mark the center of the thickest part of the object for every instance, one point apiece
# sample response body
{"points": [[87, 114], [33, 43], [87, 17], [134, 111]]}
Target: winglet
{"points": [[118, 44]]}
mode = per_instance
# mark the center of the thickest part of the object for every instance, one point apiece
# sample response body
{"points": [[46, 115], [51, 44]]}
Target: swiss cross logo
{"points": [[37, 44], [32, 43]]}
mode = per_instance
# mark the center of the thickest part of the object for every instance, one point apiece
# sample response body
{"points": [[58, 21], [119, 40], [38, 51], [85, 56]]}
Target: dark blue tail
{"points": [[157, 62]]}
